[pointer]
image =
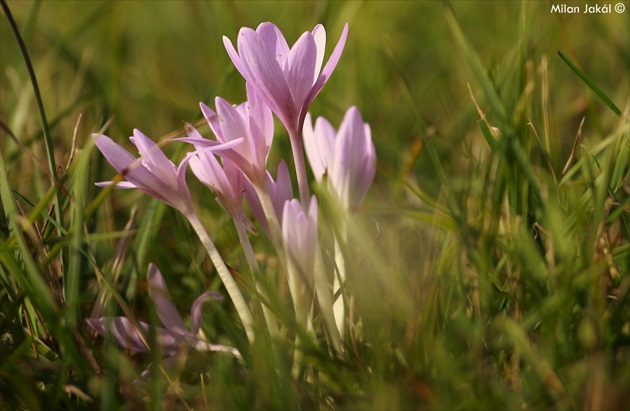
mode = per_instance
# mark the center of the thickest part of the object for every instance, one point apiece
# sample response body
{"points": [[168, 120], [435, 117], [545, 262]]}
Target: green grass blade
{"points": [[472, 59], [52, 166], [598, 91], [30, 277]]}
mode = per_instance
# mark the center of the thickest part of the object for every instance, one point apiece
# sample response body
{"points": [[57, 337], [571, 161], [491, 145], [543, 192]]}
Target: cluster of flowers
{"points": [[283, 81]]}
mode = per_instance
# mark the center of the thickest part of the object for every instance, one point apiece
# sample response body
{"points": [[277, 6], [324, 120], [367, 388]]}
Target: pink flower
{"points": [[347, 156], [250, 122], [288, 80], [174, 335], [226, 181], [152, 173], [299, 235]]}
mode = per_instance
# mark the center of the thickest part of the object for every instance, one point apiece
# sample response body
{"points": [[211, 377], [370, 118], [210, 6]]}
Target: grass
{"points": [[488, 268]]}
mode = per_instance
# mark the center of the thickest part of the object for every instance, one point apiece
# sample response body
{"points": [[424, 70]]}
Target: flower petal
{"points": [[354, 167], [280, 190], [233, 126], [319, 36], [153, 157], [301, 68], [121, 329], [132, 169], [274, 41], [195, 311], [236, 59], [213, 120], [164, 307], [267, 75], [324, 75], [319, 143]]}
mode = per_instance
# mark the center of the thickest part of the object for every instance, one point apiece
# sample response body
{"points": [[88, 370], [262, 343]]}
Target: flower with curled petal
{"points": [[174, 335], [288, 79], [153, 172]]}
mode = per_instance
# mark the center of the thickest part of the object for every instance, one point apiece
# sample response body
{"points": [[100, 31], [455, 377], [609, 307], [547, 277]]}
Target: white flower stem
{"points": [[270, 319], [272, 220], [338, 306], [300, 167], [324, 297], [228, 281]]}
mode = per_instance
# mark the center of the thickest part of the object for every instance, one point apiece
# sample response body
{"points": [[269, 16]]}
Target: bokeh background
{"points": [[146, 65]]}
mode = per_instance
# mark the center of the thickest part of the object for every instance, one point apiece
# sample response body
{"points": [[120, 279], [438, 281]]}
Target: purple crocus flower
{"points": [[174, 335], [153, 173], [288, 79], [347, 156], [299, 235], [225, 180], [250, 122]]}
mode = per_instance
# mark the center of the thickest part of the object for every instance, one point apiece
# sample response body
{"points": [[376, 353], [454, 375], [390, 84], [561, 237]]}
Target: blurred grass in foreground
{"points": [[491, 267]]}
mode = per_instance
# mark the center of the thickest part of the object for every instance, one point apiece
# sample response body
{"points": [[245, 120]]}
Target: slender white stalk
{"points": [[270, 319], [301, 293], [340, 261], [228, 281], [270, 215], [300, 166], [324, 297]]}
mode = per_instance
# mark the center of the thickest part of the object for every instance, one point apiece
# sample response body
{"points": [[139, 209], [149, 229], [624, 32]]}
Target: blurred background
{"points": [[147, 65]]}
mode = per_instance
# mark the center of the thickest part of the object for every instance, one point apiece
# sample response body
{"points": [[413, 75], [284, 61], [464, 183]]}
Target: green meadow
{"points": [[487, 269]]}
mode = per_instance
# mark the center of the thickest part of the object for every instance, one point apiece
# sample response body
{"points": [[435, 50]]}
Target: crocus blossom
{"points": [[174, 335], [299, 236], [347, 156], [288, 79], [225, 180], [153, 173], [250, 122]]}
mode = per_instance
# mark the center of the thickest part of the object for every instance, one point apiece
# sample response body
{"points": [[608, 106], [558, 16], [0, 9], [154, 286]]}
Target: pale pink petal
{"points": [[251, 196], [319, 145], [274, 41], [336, 55], [232, 126], [280, 190], [154, 159], [236, 60], [213, 120], [261, 127], [324, 75], [354, 167], [319, 36], [267, 75], [164, 307], [134, 171], [299, 234], [301, 68]]}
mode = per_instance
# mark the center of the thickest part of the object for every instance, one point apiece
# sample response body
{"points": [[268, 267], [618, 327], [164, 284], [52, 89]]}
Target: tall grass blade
{"points": [[594, 87]]}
